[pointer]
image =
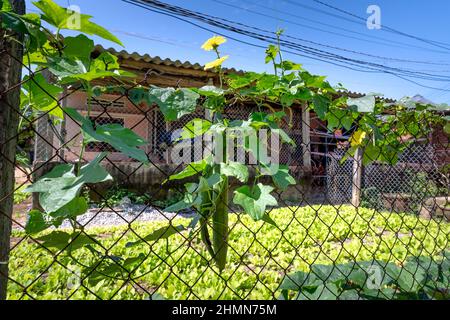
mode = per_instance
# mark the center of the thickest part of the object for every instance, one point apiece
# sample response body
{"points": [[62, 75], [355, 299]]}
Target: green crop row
{"points": [[260, 255]]}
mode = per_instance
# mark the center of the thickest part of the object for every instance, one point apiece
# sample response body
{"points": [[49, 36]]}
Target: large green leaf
{"points": [[294, 281], [42, 95], [63, 240], [93, 172], [351, 294], [61, 185], [54, 193], [162, 233], [122, 139], [173, 103], [412, 277], [215, 98], [255, 200], [314, 81], [237, 81], [325, 291], [74, 208], [209, 91], [28, 24], [105, 61], [235, 169], [266, 82], [280, 175], [194, 128], [71, 71], [76, 64], [79, 47], [363, 104], [38, 221], [65, 67], [191, 170], [62, 18], [321, 104]]}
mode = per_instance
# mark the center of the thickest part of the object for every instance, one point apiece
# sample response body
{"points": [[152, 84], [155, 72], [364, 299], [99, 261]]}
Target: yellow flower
{"points": [[215, 63], [357, 138], [213, 43]]}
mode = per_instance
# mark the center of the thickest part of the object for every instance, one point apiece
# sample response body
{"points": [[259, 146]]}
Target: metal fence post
{"points": [[10, 74]]}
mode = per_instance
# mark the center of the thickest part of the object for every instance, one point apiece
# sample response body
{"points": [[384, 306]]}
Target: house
{"points": [[147, 121], [308, 161]]}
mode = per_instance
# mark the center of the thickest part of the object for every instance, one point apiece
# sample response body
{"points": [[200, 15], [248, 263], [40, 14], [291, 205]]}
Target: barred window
{"points": [[103, 146]]}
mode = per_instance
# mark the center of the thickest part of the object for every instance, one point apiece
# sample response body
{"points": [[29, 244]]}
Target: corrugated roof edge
{"points": [[189, 65], [158, 60]]}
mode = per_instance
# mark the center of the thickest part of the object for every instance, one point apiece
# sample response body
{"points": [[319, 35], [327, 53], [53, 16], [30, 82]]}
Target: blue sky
{"points": [[147, 32]]}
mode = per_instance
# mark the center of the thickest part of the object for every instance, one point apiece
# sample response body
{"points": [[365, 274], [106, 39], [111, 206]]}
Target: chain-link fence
{"points": [[393, 245], [406, 186]]}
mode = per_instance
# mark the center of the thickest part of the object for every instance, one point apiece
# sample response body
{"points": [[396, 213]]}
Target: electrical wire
{"points": [[385, 27], [176, 12], [328, 46]]}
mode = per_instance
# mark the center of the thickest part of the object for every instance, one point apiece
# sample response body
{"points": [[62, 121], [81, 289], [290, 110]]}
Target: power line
{"points": [[294, 22], [386, 42], [207, 19], [309, 52], [323, 45], [385, 27], [149, 38], [321, 11], [135, 3], [172, 42], [306, 49]]}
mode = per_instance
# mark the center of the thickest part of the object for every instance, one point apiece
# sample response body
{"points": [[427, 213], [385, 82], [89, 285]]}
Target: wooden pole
{"points": [[357, 177], [306, 140], [11, 53]]}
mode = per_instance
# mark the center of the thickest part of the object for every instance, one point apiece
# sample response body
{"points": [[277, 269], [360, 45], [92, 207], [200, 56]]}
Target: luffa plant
{"points": [[210, 194]]}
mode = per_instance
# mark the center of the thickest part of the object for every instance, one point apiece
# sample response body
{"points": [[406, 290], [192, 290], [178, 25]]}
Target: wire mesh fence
{"points": [[394, 245], [405, 185]]}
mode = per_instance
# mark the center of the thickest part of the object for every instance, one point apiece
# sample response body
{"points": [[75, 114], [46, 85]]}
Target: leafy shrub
{"points": [[419, 278], [417, 185], [115, 196], [173, 197], [371, 198]]}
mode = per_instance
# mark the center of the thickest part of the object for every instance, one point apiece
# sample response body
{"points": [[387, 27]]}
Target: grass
{"points": [[259, 257]]}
